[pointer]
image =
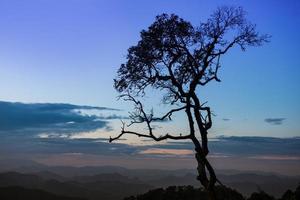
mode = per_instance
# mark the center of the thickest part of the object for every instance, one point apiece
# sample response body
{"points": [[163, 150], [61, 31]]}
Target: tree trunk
{"points": [[211, 194], [208, 183]]}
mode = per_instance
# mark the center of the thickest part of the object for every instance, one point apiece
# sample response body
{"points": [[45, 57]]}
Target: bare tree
{"points": [[178, 58]]}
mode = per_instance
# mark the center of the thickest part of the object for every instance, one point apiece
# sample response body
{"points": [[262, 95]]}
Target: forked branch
{"points": [[140, 116]]}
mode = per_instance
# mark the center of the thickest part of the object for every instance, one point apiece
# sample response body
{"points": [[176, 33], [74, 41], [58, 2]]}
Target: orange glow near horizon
{"points": [[180, 152]]}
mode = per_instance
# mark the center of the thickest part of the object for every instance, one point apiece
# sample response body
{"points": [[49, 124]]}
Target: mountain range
{"points": [[115, 183]]}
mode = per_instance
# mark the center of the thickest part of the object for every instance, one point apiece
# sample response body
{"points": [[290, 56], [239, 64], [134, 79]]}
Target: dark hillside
{"points": [[19, 193]]}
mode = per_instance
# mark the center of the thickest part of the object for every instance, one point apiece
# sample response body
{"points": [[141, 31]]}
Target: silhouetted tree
{"points": [[178, 58], [288, 195], [297, 193]]}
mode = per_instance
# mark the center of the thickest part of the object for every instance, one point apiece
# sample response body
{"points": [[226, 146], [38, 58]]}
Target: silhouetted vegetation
{"points": [[187, 193], [261, 195], [290, 195], [222, 193], [170, 193], [178, 58]]}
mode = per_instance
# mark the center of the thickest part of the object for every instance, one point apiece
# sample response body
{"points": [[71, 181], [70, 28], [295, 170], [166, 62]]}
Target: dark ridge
{"points": [[20, 193]]}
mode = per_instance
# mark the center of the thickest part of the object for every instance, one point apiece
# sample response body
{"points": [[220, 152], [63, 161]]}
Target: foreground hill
{"points": [[246, 183], [19, 193], [93, 188], [222, 193]]}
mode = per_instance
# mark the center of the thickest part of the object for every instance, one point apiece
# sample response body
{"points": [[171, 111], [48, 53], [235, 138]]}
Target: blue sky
{"points": [[68, 51]]}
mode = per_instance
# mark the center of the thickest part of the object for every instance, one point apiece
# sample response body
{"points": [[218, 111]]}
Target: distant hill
{"points": [[116, 186], [102, 178], [107, 177]]}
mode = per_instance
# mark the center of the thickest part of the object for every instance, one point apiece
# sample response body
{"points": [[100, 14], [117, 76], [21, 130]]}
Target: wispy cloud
{"points": [[275, 121], [276, 157], [226, 119]]}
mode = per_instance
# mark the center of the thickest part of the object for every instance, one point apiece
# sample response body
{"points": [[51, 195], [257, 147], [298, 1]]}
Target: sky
{"points": [[64, 54]]}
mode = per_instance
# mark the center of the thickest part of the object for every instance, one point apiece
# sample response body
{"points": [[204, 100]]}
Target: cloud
{"points": [[66, 128], [275, 121], [251, 146], [51, 118], [113, 116], [243, 146], [158, 151], [226, 119], [247, 147], [276, 157]]}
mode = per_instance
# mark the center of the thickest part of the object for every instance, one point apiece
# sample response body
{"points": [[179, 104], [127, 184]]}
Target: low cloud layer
{"points": [[164, 151], [244, 146], [275, 121], [55, 129]]}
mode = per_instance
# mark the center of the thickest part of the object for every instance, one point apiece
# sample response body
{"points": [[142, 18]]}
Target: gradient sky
{"points": [[68, 51]]}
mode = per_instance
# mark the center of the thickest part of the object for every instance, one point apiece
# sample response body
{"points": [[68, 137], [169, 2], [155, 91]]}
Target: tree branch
{"points": [[142, 117], [168, 114]]}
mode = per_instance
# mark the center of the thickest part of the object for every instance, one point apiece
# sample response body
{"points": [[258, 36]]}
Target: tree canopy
{"points": [[176, 56]]}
